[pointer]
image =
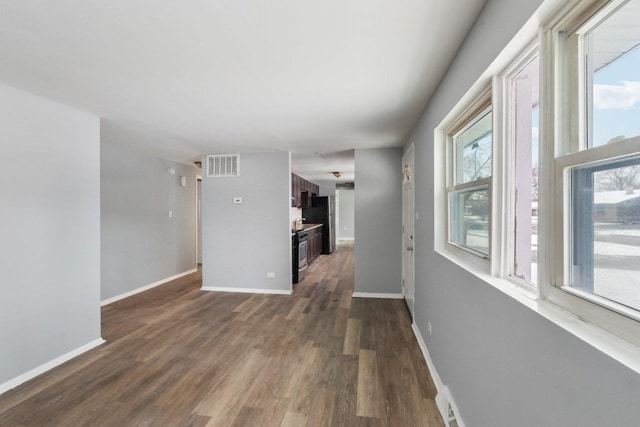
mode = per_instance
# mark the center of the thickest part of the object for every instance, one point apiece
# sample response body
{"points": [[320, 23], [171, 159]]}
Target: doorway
{"points": [[408, 223], [345, 216], [198, 222]]}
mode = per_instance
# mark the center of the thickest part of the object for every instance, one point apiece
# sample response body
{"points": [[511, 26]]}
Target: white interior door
{"points": [[199, 220], [408, 220]]}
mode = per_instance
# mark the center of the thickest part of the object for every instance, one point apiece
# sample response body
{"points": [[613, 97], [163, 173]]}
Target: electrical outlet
{"points": [[271, 275], [429, 327]]}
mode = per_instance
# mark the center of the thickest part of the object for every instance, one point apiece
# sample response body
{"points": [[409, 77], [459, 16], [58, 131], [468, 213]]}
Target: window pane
{"points": [[606, 230], [525, 121], [473, 150], [469, 219], [614, 68]]}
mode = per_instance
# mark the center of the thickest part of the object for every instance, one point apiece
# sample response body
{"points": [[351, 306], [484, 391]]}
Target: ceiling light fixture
{"points": [[337, 174]]}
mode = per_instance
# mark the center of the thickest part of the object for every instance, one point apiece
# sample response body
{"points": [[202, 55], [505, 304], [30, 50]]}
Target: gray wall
{"points": [[346, 207], [327, 188], [50, 239], [140, 243], [241, 243], [378, 223], [504, 364]]}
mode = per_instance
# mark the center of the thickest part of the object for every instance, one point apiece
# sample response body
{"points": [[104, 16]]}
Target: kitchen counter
{"points": [[306, 227], [310, 226]]}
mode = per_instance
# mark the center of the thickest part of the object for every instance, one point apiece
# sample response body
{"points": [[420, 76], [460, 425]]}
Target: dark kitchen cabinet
{"points": [[302, 191], [305, 198], [295, 190], [314, 245]]}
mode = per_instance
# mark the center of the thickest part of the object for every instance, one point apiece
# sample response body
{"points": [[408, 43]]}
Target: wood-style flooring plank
{"points": [[298, 308], [294, 419], [321, 411], [369, 400], [178, 356], [352, 337]]}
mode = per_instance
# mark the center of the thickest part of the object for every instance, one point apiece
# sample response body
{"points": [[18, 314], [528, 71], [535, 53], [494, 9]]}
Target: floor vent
{"points": [[447, 408], [223, 165], [451, 417]]}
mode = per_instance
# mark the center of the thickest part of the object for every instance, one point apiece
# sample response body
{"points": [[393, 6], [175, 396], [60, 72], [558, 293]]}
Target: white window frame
{"points": [[611, 327], [481, 104], [506, 146], [565, 133]]}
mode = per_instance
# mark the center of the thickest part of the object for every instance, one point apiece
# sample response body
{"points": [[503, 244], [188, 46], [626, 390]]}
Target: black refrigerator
{"points": [[322, 211]]}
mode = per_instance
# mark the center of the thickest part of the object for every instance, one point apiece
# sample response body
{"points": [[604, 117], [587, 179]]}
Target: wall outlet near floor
{"points": [[271, 275], [429, 327]]}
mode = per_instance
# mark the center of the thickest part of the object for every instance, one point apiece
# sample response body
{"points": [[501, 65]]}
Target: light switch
{"points": [[237, 200], [170, 214]]}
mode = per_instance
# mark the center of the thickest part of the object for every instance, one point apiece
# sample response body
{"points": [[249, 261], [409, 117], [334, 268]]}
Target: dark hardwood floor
{"points": [[179, 356]]}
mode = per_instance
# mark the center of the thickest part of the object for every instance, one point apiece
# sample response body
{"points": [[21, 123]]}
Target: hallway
{"points": [[178, 356]]}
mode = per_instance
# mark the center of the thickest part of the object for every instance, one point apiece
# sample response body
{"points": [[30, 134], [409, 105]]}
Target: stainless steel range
{"points": [[299, 256]]}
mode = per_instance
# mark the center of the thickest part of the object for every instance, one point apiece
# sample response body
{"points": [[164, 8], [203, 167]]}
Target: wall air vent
{"points": [[223, 165]]}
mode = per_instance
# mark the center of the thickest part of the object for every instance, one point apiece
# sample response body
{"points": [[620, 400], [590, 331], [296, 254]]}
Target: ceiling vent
{"points": [[223, 165]]}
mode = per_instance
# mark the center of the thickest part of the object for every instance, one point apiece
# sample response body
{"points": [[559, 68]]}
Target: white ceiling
{"points": [[319, 167], [184, 78]]}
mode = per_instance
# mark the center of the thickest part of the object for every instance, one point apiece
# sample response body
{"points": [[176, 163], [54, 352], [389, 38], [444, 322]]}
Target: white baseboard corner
{"points": [[376, 295], [346, 240], [444, 401], [20, 379], [245, 290], [146, 287]]}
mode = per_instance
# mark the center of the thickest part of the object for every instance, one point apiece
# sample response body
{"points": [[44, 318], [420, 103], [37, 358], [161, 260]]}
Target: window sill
{"points": [[613, 346]]}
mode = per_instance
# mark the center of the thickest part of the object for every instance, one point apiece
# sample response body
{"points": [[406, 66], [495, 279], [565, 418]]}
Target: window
{"points": [[605, 226], [524, 125], [595, 164], [540, 186], [469, 175]]}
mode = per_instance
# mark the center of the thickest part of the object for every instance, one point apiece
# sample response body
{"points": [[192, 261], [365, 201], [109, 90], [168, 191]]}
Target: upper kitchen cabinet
{"points": [[295, 191], [302, 191]]}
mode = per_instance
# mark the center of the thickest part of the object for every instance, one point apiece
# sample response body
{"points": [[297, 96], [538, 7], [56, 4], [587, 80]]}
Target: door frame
{"points": [[198, 220], [408, 218]]}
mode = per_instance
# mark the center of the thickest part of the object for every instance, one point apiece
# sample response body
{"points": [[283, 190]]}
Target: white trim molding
{"points": [[20, 379], [146, 287], [376, 295], [443, 397], [245, 290]]}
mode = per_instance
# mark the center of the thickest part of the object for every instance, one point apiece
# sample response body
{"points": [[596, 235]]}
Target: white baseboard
{"points": [[443, 398], [146, 287], [15, 382], [245, 290], [376, 295], [427, 357]]}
